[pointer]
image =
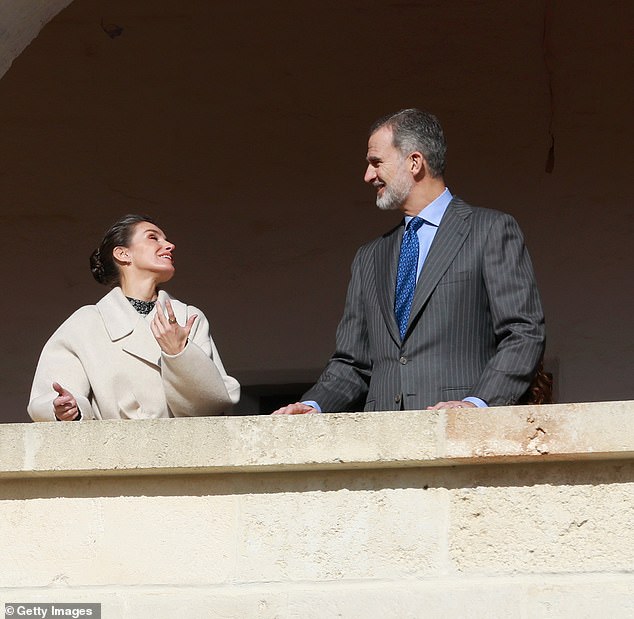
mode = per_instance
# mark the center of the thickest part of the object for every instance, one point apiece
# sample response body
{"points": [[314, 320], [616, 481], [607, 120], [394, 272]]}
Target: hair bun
{"points": [[97, 268]]}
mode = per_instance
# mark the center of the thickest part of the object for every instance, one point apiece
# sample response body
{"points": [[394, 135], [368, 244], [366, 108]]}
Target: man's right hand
{"points": [[295, 409], [64, 405]]}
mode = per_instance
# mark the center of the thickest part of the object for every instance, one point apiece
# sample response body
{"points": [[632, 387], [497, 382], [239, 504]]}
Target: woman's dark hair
{"points": [[102, 264]]}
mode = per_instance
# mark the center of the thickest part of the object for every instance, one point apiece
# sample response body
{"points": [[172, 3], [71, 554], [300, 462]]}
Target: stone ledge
{"points": [[603, 430]]}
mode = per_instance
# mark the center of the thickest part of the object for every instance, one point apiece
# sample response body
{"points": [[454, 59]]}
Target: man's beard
{"points": [[395, 194]]}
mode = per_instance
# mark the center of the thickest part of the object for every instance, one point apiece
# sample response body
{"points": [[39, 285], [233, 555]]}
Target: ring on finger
{"points": [[172, 321]]}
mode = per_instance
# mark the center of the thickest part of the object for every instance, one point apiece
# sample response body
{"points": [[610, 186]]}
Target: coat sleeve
{"points": [[59, 363], [516, 313], [343, 385], [195, 380]]}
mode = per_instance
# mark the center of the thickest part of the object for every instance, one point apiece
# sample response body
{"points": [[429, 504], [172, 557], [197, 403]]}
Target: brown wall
{"points": [[241, 127]]}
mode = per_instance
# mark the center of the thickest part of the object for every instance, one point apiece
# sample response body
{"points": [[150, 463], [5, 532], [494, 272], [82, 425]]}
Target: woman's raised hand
{"points": [[171, 337], [65, 405]]}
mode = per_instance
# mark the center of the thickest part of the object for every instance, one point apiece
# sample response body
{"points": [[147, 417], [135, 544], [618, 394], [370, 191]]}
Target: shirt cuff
{"points": [[477, 401], [313, 404]]}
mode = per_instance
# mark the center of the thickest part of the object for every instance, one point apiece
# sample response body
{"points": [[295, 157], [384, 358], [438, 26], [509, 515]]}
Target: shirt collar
{"points": [[434, 211]]}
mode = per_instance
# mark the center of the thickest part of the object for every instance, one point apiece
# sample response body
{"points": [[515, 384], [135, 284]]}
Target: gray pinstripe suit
{"points": [[476, 326]]}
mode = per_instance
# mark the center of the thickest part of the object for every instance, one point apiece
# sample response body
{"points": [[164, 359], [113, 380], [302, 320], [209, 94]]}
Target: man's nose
{"points": [[370, 174]]}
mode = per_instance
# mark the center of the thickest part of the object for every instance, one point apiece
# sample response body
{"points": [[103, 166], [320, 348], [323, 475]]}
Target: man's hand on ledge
{"points": [[451, 404], [299, 408], [295, 409]]}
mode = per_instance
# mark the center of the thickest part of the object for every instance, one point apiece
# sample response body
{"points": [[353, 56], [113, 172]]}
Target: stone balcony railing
{"points": [[503, 512]]}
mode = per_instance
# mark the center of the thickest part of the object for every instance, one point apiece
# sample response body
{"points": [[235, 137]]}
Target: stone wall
{"points": [[505, 512]]}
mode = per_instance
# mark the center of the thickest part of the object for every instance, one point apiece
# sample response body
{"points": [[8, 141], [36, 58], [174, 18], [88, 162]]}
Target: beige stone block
{"points": [[335, 529], [550, 518], [167, 540], [133, 534]]}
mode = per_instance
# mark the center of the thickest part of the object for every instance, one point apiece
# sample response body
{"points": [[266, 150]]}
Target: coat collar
{"points": [[123, 323]]}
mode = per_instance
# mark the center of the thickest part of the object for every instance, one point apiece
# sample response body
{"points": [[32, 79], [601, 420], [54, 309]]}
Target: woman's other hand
{"points": [[65, 405], [171, 337]]}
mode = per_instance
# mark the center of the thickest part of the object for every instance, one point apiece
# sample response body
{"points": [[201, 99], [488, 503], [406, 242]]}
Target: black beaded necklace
{"points": [[143, 307]]}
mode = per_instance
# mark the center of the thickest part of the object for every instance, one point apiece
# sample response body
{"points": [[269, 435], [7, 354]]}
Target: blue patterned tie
{"points": [[406, 274]]}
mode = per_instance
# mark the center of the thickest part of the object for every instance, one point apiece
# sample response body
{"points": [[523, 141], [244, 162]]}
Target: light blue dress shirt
{"points": [[431, 215]]}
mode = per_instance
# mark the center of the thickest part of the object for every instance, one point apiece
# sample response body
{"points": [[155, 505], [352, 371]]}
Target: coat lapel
{"points": [[124, 324], [385, 266], [452, 233]]}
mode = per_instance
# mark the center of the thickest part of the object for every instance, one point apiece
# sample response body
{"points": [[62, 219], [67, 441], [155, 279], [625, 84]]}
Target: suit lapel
{"points": [[385, 266], [452, 233]]}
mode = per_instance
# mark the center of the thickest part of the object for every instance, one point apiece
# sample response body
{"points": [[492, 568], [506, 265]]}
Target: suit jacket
{"points": [[107, 357], [476, 326]]}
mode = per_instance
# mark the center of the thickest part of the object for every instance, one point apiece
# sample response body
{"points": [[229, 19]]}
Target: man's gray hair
{"points": [[413, 130]]}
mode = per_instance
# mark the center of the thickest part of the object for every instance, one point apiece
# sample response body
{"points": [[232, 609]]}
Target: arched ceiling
{"points": [[21, 23]]}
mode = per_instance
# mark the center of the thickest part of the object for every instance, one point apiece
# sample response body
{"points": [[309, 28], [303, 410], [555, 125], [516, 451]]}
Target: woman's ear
{"points": [[121, 255]]}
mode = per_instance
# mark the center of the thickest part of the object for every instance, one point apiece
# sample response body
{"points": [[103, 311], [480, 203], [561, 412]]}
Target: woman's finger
{"points": [[171, 319], [189, 324]]}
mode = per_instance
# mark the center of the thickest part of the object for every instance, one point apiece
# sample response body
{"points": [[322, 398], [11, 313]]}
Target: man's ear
{"points": [[416, 163], [120, 254]]}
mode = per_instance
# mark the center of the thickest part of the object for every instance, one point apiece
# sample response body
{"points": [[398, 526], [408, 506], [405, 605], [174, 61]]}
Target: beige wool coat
{"points": [[108, 358]]}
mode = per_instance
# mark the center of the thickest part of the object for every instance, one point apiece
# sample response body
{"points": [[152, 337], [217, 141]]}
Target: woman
{"points": [[137, 353]]}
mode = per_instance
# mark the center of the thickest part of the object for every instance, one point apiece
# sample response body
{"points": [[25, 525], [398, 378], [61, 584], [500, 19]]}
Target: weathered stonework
{"points": [[406, 514]]}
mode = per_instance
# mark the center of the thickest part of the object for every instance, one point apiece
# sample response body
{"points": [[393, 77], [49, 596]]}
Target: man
{"points": [[442, 311]]}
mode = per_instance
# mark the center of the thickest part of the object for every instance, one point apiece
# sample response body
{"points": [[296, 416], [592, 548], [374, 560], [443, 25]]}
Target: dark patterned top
{"points": [[143, 307]]}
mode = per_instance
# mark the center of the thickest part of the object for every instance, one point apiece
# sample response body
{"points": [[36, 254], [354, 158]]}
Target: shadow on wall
{"points": [[582, 474]]}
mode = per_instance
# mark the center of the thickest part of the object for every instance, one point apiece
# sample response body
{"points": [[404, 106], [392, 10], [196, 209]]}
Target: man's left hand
{"points": [[451, 404], [299, 408]]}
